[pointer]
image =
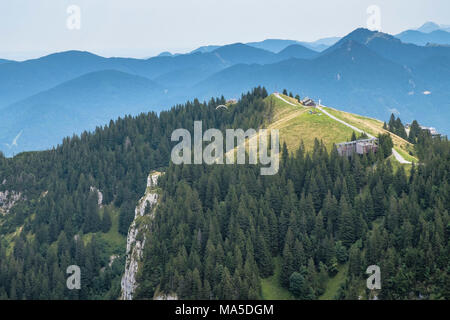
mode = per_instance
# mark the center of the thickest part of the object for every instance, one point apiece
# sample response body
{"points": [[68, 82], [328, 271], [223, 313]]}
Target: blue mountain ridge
{"points": [[366, 72]]}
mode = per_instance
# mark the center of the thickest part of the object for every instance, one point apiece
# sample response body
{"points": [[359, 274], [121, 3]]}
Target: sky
{"points": [[143, 28]]}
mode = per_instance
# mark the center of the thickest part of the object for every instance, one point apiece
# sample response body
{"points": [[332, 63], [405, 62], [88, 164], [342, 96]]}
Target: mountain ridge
{"points": [[366, 72], [419, 38], [79, 104]]}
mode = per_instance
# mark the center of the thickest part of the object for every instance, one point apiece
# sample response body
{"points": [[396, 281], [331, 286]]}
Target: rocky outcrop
{"points": [[99, 196], [143, 215], [112, 259], [8, 199], [172, 296]]}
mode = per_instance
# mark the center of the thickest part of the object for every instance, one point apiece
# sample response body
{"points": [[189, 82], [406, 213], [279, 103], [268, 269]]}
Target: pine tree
{"points": [[414, 132], [106, 221], [299, 286], [346, 226], [92, 218]]}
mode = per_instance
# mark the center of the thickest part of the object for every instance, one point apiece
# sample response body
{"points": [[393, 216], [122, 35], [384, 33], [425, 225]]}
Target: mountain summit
{"points": [[428, 27]]}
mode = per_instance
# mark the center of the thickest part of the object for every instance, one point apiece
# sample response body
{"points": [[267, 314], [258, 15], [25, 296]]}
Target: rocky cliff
{"points": [[8, 199], [143, 215]]}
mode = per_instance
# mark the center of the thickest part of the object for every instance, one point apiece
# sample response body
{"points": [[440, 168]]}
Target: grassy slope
{"points": [[397, 165], [334, 283], [113, 237], [406, 155], [271, 288], [296, 123], [374, 127], [116, 242]]}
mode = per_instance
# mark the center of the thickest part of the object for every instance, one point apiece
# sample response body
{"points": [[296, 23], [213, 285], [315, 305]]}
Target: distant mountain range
{"points": [[430, 26], [77, 105], [275, 45], [366, 72], [420, 38], [370, 73], [430, 32]]}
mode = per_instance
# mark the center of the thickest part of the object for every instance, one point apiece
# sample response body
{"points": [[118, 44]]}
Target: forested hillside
{"points": [[221, 231], [40, 236]]}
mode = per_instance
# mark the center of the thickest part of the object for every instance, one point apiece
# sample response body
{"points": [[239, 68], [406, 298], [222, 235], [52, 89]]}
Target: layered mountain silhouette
{"points": [[277, 45], [366, 72], [273, 45], [431, 26], [74, 106], [392, 48], [428, 33], [421, 39], [350, 73], [297, 51]]}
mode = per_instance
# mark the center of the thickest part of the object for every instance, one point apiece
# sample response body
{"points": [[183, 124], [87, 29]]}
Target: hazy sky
{"points": [[30, 28]]}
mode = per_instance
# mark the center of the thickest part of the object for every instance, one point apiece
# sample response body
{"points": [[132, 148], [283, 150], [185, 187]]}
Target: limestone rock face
{"points": [[99, 196], [8, 199], [143, 215], [166, 297]]}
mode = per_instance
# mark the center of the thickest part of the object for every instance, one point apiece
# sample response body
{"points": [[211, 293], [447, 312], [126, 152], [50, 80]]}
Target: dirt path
{"points": [[375, 129], [344, 123], [399, 157], [283, 99]]}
